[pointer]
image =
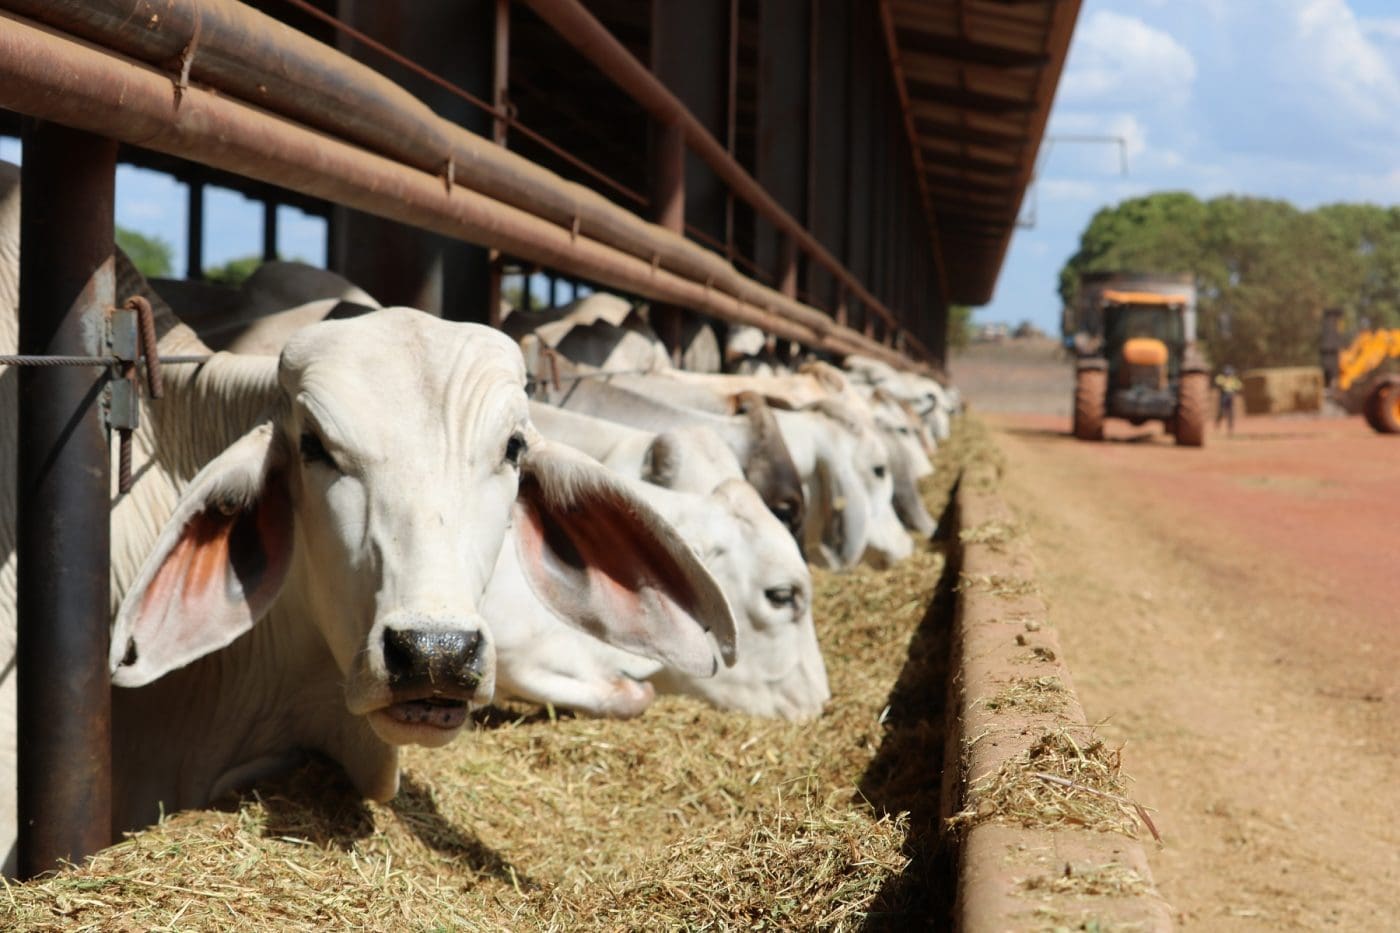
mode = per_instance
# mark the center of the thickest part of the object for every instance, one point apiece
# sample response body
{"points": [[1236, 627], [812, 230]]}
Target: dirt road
{"points": [[1232, 615]]}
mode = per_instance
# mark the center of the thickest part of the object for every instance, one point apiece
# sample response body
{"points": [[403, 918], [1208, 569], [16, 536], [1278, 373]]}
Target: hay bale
{"points": [[1283, 389]]}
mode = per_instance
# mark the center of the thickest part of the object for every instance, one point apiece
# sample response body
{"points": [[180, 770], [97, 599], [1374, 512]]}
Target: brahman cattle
{"points": [[301, 562]]}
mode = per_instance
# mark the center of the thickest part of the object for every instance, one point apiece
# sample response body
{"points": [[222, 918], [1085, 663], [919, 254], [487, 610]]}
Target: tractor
{"points": [[1134, 340]]}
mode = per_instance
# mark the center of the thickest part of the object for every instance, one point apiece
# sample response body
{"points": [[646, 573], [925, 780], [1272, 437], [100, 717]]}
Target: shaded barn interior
{"points": [[901, 134]]}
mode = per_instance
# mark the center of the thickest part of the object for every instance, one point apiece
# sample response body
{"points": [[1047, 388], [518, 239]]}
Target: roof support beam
{"points": [[967, 51], [968, 100], [967, 163], [965, 134]]}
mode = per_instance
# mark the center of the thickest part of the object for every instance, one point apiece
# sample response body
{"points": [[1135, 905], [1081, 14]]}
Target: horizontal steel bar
{"points": [[47, 75]]}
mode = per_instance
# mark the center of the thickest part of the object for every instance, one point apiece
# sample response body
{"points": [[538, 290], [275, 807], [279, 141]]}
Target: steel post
{"points": [[64, 699], [500, 96], [194, 232], [269, 231]]}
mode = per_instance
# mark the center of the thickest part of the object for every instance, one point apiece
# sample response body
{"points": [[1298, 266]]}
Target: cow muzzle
{"points": [[435, 676]]}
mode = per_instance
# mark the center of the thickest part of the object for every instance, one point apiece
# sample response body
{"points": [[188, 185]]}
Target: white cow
{"points": [[219, 313], [607, 332], [688, 458], [780, 671], [301, 562], [934, 403], [752, 434], [539, 659], [600, 331], [751, 554], [844, 464]]}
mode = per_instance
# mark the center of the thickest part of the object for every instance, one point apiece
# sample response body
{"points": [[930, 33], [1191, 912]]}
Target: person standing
{"points": [[1229, 385]]}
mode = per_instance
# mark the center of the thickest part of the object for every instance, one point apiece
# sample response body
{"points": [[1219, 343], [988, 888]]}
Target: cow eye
{"points": [[313, 451], [781, 595], [514, 448], [879, 472]]}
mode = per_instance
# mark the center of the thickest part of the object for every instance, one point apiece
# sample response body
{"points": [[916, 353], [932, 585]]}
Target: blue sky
{"points": [[1292, 99]]}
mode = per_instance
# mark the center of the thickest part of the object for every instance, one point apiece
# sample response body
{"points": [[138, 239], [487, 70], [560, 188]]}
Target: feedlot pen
{"points": [[687, 817]]}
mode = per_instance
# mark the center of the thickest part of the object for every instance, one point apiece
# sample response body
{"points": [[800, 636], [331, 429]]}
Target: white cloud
{"points": [[1346, 67], [1118, 58], [1068, 189], [1380, 28]]}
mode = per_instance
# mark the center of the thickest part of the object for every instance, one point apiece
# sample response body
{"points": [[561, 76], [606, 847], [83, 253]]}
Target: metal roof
{"points": [[976, 79]]}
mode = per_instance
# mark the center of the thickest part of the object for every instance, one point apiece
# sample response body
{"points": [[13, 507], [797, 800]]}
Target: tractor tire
{"points": [[1192, 404], [1371, 407], [1383, 407], [1090, 389]]}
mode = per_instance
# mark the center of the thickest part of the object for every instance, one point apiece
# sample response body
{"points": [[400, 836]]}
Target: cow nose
{"points": [[413, 657]]}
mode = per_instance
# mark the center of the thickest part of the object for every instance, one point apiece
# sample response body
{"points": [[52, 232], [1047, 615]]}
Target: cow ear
{"points": [[605, 562], [216, 567]]}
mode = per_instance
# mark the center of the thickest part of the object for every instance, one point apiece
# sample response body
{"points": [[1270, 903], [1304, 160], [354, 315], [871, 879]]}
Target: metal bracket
{"points": [[123, 410], [122, 400]]}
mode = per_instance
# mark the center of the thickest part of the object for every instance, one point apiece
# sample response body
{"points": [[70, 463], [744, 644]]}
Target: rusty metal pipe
{"points": [[46, 74], [246, 54], [594, 42], [64, 698]]}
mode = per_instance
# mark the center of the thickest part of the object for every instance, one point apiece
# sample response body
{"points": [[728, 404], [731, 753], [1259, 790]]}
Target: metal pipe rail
{"points": [[594, 42], [247, 55], [51, 76]]}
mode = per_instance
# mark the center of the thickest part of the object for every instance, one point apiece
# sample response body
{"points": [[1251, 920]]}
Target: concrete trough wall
{"points": [[1024, 868]]}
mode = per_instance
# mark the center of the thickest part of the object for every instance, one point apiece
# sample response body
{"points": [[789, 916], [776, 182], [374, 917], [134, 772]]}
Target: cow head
{"points": [[780, 670], [371, 505]]}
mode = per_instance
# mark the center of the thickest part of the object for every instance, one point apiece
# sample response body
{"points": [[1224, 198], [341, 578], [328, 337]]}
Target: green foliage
{"points": [[1264, 269], [152, 256], [513, 295], [234, 272], [959, 326]]}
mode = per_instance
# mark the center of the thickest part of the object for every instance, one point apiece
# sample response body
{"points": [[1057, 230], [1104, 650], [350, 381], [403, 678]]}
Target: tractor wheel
{"points": [[1090, 387], [1383, 407], [1192, 403], [1371, 407]]}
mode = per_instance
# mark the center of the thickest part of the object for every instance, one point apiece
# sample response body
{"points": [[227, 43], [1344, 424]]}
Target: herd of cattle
{"points": [[354, 524]]}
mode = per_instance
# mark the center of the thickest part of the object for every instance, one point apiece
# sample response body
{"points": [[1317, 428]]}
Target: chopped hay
{"points": [[1064, 780], [1110, 880], [1066, 897], [1034, 695], [997, 584], [995, 534], [685, 818]]}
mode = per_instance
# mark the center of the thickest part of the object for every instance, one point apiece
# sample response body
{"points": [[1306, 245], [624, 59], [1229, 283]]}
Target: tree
{"points": [[234, 272], [959, 326], [152, 256], [1157, 233], [1264, 269]]}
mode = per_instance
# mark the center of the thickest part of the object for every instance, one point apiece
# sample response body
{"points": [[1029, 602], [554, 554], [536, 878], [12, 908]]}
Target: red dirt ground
{"points": [[1232, 613]]}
